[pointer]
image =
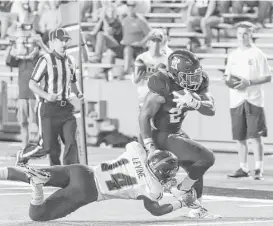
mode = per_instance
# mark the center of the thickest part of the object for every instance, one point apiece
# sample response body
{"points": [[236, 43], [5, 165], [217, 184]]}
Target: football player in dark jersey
{"points": [[180, 87]]}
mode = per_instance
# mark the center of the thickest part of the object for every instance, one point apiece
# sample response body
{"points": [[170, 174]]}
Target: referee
{"points": [[52, 79]]}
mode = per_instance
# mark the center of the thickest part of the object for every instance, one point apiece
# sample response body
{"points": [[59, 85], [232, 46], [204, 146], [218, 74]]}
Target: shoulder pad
{"points": [[205, 83], [159, 83]]}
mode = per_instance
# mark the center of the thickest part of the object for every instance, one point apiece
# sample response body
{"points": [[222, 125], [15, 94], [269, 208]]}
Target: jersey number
{"points": [[120, 180], [176, 115]]}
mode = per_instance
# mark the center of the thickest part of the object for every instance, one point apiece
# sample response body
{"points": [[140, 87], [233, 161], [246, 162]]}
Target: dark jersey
{"points": [[169, 118]]}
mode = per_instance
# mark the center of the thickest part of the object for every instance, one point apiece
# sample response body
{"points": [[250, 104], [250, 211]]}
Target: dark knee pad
{"points": [[198, 186]]}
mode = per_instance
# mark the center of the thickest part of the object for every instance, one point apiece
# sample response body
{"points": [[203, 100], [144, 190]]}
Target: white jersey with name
{"points": [[127, 177]]}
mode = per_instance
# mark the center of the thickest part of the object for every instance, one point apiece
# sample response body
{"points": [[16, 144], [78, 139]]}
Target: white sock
{"points": [[187, 183], [244, 166], [3, 173], [37, 197], [259, 165]]}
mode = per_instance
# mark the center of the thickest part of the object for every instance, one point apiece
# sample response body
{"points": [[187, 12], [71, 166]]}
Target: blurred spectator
{"points": [[250, 66], [203, 14], [238, 8], [96, 8], [147, 62], [5, 17], [108, 32], [86, 9], [135, 30], [50, 17], [26, 52], [165, 49]]}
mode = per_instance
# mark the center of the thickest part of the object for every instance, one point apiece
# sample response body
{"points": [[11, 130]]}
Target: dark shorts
{"points": [[187, 150], [248, 121]]}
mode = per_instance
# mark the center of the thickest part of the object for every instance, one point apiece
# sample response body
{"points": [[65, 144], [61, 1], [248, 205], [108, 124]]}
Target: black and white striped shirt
{"points": [[56, 73]]}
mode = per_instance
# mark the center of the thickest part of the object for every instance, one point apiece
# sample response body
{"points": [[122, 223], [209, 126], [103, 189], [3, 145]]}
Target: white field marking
{"points": [[27, 187], [3, 222], [18, 144], [6, 158], [237, 199], [220, 223], [15, 184], [12, 183], [21, 193], [230, 199], [40, 164], [256, 205]]}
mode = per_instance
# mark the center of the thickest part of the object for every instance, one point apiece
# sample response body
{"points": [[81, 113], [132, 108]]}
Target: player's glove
{"points": [[186, 99], [189, 198]]}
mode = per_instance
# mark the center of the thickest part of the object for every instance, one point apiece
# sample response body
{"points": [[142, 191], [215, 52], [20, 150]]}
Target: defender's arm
{"points": [[157, 210]]}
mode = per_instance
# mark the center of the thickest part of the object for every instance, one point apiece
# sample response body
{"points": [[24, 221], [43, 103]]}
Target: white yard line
{"points": [[220, 223]]}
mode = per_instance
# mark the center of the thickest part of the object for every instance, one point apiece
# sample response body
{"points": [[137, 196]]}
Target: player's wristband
{"points": [[148, 143], [249, 82], [177, 205]]}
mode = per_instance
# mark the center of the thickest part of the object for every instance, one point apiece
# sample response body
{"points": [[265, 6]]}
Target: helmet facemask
{"points": [[190, 80], [164, 170]]}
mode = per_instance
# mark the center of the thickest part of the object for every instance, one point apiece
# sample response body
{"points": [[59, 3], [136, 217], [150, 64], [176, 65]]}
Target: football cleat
{"points": [[37, 176], [20, 160], [258, 175], [202, 213], [239, 174]]}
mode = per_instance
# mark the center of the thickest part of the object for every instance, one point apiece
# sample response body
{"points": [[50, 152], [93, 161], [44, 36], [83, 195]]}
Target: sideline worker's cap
{"points": [[61, 34], [246, 24], [157, 35]]}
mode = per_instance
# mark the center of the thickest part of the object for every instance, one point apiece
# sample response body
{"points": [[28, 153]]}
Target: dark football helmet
{"points": [[163, 164], [185, 69]]}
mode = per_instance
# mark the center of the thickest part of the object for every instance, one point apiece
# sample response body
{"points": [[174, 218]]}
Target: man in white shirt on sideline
{"points": [[247, 99]]}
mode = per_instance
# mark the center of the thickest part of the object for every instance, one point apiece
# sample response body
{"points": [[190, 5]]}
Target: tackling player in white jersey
{"points": [[130, 176]]}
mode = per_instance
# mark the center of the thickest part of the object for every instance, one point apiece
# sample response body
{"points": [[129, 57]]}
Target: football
{"points": [[232, 81], [194, 95]]}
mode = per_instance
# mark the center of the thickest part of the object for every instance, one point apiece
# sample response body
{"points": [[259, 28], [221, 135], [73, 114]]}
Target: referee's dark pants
{"points": [[57, 119]]}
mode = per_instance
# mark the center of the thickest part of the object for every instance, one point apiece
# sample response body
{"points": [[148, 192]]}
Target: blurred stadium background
{"points": [[112, 104]]}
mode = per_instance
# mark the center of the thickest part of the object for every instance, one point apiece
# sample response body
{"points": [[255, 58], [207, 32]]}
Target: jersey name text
{"points": [[139, 167], [106, 167]]}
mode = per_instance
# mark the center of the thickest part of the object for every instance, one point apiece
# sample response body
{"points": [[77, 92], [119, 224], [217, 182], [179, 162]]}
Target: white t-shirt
{"points": [[151, 64], [249, 64], [127, 177]]}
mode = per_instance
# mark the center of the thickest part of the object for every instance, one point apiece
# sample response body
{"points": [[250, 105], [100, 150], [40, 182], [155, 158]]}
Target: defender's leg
{"points": [[80, 191]]}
